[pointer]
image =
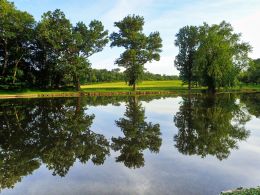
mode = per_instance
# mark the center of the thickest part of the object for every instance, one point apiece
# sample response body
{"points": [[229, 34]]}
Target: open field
{"points": [[119, 88], [144, 86]]}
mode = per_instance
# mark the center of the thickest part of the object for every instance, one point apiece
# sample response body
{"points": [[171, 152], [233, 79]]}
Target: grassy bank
{"points": [[250, 191], [119, 88]]}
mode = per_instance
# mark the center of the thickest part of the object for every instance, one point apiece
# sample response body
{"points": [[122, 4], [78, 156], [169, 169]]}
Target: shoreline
{"points": [[50, 94]]}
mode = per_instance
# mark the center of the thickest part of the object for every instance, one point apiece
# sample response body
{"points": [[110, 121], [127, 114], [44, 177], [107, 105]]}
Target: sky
{"points": [[165, 16]]}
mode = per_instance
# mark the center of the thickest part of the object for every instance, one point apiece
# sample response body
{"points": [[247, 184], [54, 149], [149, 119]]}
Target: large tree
{"points": [[139, 48], [220, 57], [86, 41], [16, 37], [65, 49], [213, 56], [54, 35], [187, 42]]}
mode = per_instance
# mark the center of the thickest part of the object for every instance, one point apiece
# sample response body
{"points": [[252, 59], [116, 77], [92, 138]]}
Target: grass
{"points": [[120, 87], [144, 86], [250, 191]]}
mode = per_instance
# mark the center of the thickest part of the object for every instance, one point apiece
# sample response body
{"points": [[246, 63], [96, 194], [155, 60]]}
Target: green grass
{"points": [[145, 86], [250, 191]]}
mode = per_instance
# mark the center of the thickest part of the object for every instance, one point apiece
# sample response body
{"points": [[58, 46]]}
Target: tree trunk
{"points": [[189, 85], [78, 106], [134, 87], [15, 69], [77, 84], [212, 89], [5, 58]]}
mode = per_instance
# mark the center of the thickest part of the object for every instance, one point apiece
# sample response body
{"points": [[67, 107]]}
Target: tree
{"points": [[65, 49], [254, 72], [86, 41], [187, 40], [139, 48], [16, 38], [139, 135], [54, 36], [220, 56]]}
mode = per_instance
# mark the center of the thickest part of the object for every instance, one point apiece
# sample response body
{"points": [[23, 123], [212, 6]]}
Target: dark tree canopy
{"points": [[139, 48], [49, 54], [16, 42]]}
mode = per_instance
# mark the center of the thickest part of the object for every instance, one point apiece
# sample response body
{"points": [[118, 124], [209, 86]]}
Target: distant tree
{"points": [[253, 72], [187, 40], [220, 56], [139, 48]]}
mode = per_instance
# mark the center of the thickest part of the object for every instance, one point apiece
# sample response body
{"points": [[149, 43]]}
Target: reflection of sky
{"points": [[168, 172]]}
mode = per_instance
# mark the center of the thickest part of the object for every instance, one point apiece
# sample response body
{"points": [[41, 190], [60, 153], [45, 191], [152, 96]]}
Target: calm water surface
{"points": [[193, 144]]}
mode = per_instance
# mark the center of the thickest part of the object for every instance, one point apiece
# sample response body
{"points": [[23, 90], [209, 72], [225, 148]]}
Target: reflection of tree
{"points": [[252, 102], [53, 131], [209, 125], [139, 135]]}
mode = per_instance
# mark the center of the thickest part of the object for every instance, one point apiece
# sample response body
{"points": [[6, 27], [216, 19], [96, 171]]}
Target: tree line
{"points": [[104, 75], [252, 74], [53, 52]]}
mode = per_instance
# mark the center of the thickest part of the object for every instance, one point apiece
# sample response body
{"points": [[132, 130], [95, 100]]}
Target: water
{"points": [[194, 144]]}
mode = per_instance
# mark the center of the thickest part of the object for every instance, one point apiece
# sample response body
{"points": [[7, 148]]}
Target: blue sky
{"points": [[165, 16]]}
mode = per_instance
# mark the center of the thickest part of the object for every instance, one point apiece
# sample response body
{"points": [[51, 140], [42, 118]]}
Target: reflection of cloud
{"points": [[87, 179], [168, 106], [167, 172]]}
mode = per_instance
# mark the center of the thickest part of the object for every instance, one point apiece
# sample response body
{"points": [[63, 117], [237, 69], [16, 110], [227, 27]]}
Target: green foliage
{"points": [[220, 56], [53, 36], [67, 48], [252, 74], [103, 75], [241, 191], [51, 54], [139, 48], [187, 41], [16, 42], [213, 55]]}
